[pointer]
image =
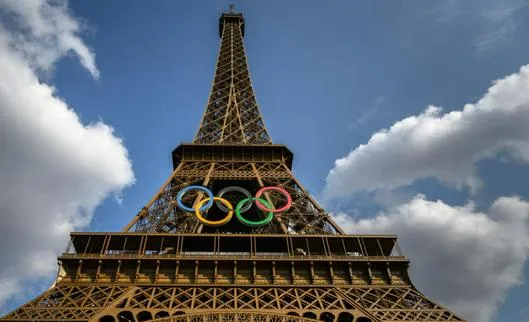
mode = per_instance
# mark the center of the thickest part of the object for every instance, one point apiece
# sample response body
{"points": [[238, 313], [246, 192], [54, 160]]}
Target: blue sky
{"points": [[327, 77]]}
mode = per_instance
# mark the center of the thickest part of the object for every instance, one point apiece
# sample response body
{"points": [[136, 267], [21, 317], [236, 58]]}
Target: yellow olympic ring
{"points": [[223, 221]]}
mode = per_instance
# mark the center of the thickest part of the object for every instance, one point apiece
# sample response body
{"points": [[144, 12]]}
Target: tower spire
{"points": [[232, 115]]}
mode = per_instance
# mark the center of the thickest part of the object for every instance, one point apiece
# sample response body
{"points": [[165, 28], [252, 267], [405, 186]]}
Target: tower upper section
{"points": [[231, 16], [232, 115]]}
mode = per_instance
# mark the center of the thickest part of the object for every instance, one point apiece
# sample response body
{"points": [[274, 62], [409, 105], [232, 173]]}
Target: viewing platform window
{"points": [[171, 245]]}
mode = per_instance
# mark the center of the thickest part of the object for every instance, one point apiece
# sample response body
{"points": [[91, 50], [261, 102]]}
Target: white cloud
{"points": [[498, 32], [502, 11], [500, 23], [369, 112], [498, 20], [466, 260], [54, 170], [44, 31], [444, 146]]}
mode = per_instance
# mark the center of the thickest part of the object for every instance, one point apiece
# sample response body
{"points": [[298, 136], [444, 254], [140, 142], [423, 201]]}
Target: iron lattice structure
{"points": [[167, 266]]}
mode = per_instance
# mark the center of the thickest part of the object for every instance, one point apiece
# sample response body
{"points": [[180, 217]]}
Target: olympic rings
{"points": [[234, 189], [283, 191], [249, 222], [225, 205], [223, 221], [186, 189]]}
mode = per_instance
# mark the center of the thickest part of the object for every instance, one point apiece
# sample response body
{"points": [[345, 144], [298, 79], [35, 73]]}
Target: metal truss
{"points": [[161, 214], [234, 316], [144, 303], [232, 114]]}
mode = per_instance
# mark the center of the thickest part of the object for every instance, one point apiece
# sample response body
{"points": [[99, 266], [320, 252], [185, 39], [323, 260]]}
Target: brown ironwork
{"points": [[232, 114], [167, 266]]}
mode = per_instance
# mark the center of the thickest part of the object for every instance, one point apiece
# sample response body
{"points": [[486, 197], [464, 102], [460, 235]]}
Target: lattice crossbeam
{"points": [[86, 302], [162, 214], [232, 114]]}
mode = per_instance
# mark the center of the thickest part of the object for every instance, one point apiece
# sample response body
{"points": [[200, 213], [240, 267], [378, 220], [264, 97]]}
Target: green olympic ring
{"points": [[249, 222]]}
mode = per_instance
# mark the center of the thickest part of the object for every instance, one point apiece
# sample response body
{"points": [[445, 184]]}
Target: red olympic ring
{"points": [[283, 191]]}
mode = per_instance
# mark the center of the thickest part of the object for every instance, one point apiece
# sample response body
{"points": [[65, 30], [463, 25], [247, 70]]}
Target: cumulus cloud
{"points": [[44, 31], [444, 146], [54, 170], [467, 260]]}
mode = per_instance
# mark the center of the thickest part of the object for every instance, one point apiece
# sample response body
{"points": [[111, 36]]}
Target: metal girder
{"points": [[95, 302], [162, 214], [232, 115]]}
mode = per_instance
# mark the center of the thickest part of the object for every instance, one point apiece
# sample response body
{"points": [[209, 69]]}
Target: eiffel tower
{"points": [[186, 257]]}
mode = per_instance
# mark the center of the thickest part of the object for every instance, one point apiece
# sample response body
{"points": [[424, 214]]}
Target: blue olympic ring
{"points": [[186, 189]]}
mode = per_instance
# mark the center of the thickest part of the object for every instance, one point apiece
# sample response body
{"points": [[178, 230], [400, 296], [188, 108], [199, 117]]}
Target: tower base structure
{"points": [[231, 277]]}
